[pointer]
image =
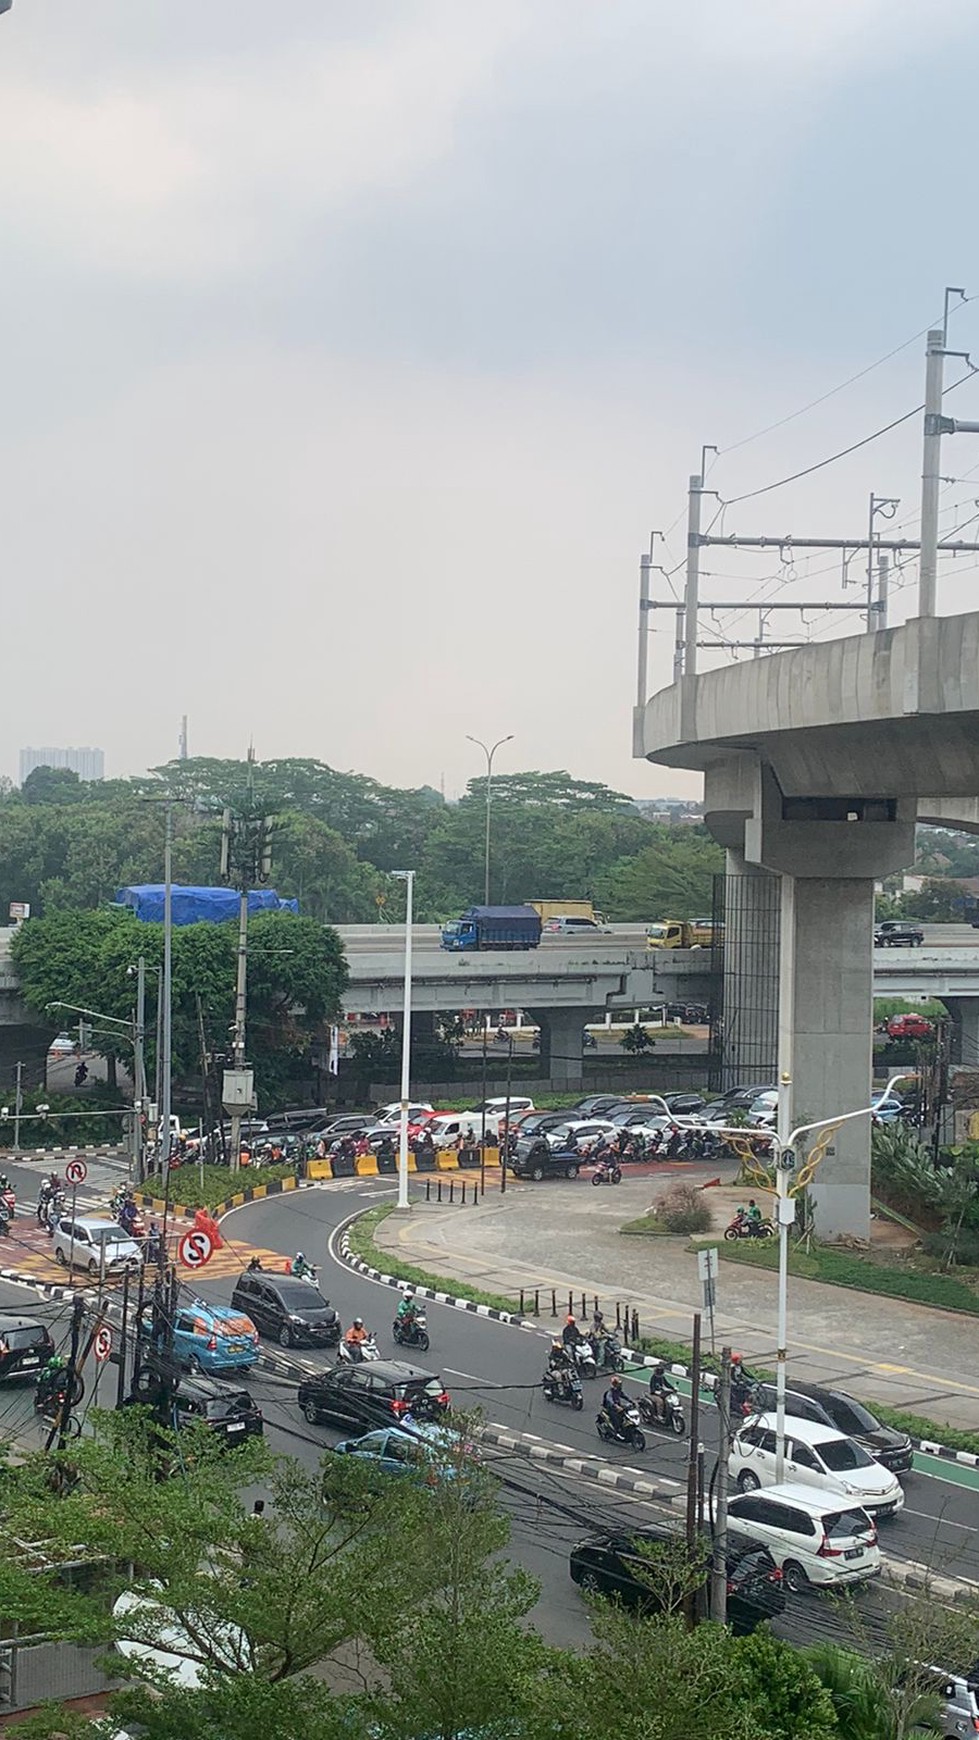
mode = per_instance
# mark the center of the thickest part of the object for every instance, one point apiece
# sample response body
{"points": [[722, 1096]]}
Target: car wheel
{"points": [[588, 1581], [537, 1174], [794, 1578], [748, 1482], [571, 1172], [310, 1413], [285, 1336], [93, 1269], [60, 1255]]}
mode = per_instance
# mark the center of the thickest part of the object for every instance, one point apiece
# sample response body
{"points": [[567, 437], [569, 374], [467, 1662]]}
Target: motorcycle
{"points": [[743, 1228], [669, 1418], [9, 1201], [608, 1353], [310, 1273], [4, 1220], [627, 1433], [54, 1207], [55, 1391], [607, 1173], [365, 1351], [413, 1333], [563, 1385], [583, 1355]]}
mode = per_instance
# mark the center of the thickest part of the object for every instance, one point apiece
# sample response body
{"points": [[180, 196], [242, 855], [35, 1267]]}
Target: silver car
{"points": [[100, 1246]]}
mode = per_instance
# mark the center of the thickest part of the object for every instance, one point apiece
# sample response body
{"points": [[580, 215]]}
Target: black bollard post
{"points": [[618, 1314], [536, 1301], [553, 1302], [635, 1327]]}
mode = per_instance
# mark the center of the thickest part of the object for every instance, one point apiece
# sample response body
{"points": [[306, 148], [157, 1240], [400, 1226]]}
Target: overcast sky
{"points": [[351, 351]]}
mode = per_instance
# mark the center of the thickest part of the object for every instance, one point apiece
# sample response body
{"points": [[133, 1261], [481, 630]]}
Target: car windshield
{"points": [[225, 1407], [108, 1235], [841, 1454], [838, 1524], [851, 1416], [302, 1297], [655, 930], [30, 1336]]}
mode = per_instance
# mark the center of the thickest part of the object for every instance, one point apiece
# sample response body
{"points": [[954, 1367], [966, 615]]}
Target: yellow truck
{"points": [[680, 933]]}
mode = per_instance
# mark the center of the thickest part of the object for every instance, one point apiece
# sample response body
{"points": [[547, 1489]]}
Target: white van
{"points": [[100, 1246], [815, 1541], [815, 1456]]}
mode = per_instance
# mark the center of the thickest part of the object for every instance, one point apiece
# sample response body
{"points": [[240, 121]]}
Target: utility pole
{"points": [[718, 1589], [60, 1427], [166, 1022], [139, 1070], [691, 595], [931, 472], [238, 1042], [693, 1517], [18, 1104], [123, 1332], [883, 568], [246, 859]]}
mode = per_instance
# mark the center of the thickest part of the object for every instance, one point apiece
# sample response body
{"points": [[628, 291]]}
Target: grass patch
{"points": [[838, 1268], [361, 1236], [916, 1425], [220, 1183], [648, 1226]]}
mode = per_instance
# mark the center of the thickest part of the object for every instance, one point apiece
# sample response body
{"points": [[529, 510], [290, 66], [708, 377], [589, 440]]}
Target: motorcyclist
{"points": [[299, 1267], [354, 1339], [742, 1386], [615, 1403], [127, 1215], [5, 1183], [570, 1334], [407, 1309], [559, 1366], [50, 1379], [154, 1244], [753, 1217], [254, 1266], [660, 1387]]}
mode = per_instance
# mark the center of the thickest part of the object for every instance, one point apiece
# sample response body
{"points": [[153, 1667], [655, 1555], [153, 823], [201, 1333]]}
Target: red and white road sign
{"points": [[195, 1249], [102, 1345], [76, 1172]]}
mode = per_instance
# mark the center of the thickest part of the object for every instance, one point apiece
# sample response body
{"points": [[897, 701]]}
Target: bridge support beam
{"points": [[964, 1015], [561, 1043], [750, 993]]}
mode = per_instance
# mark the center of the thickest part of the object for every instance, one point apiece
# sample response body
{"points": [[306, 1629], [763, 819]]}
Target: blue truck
{"points": [[493, 927]]}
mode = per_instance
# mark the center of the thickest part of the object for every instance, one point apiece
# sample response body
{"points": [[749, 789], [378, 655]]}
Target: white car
{"points": [[764, 1110], [418, 1111], [62, 1045], [814, 1540], [446, 1127], [518, 1103], [582, 1130], [815, 1456], [100, 1246]]}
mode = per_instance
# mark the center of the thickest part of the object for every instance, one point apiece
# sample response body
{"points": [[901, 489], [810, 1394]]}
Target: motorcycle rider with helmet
{"points": [[659, 1388], [299, 1267], [354, 1339], [615, 1402], [570, 1334], [560, 1364]]}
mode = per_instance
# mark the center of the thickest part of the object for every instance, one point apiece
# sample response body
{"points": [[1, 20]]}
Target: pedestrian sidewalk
{"points": [[907, 1356]]}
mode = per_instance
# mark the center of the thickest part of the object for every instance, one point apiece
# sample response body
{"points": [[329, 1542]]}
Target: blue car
{"points": [[426, 1450], [214, 1338]]}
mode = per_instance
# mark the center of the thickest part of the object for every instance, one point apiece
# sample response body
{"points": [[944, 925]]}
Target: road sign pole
{"points": [[124, 1329], [71, 1243]]}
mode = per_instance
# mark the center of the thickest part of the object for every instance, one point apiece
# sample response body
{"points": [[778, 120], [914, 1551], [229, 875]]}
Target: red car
{"points": [[909, 1026]]}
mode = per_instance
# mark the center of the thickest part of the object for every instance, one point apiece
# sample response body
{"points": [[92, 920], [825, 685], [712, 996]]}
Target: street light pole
{"points": [[163, 1143], [408, 877], [489, 754]]}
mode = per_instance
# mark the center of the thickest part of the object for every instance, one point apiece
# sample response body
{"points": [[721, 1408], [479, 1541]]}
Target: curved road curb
{"points": [[924, 1446]]}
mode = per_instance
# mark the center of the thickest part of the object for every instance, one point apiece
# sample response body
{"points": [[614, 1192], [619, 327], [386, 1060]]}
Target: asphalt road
{"points": [[497, 1368], [365, 939]]}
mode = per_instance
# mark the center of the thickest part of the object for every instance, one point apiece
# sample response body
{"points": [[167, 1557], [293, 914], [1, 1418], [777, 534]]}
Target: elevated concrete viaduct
{"points": [[817, 763]]}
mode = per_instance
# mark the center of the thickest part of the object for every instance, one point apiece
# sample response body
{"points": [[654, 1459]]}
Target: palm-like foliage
{"points": [[867, 1705]]}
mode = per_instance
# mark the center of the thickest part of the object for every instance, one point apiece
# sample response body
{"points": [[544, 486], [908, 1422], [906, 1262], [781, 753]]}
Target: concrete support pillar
{"points": [[964, 1016], [561, 1045], [751, 969], [422, 1027], [825, 1033]]}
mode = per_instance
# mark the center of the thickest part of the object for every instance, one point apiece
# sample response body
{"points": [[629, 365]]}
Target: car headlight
{"points": [[294, 1317]]}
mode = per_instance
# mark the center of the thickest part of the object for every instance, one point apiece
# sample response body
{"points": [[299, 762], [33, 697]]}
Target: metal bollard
{"points": [[635, 1327], [439, 1185], [618, 1315], [584, 1306], [553, 1302], [570, 1304], [452, 1189], [428, 1190], [521, 1302], [536, 1301], [595, 1303]]}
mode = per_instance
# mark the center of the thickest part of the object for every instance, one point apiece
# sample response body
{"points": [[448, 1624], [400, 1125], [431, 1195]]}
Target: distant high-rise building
{"points": [[87, 763]]}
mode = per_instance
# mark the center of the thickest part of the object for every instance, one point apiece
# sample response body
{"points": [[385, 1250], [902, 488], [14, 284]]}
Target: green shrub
{"points": [[841, 1268], [684, 1211], [220, 1183]]}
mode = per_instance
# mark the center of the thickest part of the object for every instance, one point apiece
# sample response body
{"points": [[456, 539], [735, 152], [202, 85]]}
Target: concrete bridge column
{"points": [[750, 1011], [964, 1015], [826, 1034], [561, 1042]]}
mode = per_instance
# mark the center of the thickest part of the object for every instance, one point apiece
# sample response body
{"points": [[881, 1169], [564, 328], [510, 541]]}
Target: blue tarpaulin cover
{"points": [[191, 905]]}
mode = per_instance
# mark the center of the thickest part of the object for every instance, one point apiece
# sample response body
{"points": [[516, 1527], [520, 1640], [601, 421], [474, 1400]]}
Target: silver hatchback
{"points": [[100, 1246]]}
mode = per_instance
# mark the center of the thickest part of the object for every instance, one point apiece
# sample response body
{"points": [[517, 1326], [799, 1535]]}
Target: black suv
{"points": [[896, 933], [533, 1157], [229, 1412], [615, 1565], [25, 1347], [380, 1392], [829, 1407], [294, 1312]]}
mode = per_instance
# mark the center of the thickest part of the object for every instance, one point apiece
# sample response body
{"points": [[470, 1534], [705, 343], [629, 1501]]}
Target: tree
{"points": [[636, 1040], [940, 902], [552, 789], [52, 785], [868, 1707], [671, 878]]}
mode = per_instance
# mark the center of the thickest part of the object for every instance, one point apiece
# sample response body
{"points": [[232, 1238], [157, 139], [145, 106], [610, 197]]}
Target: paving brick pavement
{"points": [[566, 1236]]}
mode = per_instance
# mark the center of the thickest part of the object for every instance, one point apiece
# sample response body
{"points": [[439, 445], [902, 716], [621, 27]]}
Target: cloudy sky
{"points": [[352, 349]]}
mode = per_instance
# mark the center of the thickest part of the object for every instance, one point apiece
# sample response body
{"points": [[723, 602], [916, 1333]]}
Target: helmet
{"points": [[616, 1383], [358, 1323], [660, 1367], [299, 1257], [735, 1359], [570, 1317]]}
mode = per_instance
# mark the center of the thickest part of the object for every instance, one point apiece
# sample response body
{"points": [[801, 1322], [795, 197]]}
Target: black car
{"points": [[616, 1565], [684, 1105], [25, 1347], [533, 1157], [380, 1392], [538, 1123], [230, 1412], [592, 1106], [294, 1312], [896, 933], [831, 1407]]}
